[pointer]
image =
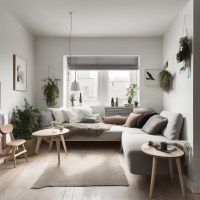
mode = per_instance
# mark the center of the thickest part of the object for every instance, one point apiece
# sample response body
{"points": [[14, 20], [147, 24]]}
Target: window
{"points": [[99, 86]]}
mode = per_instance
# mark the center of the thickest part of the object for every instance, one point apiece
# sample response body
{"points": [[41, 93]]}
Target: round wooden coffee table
{"points": [[151, 151], [57, 135]]}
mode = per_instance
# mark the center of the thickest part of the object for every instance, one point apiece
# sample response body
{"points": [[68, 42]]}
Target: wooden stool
{"points": [[13, 145]]}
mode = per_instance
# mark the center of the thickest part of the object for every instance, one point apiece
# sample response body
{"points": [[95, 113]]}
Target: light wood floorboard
{"points": [[15, 183]]}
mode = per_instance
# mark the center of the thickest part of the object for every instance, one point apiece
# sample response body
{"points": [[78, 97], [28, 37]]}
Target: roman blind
{"points": [[103, 62]]}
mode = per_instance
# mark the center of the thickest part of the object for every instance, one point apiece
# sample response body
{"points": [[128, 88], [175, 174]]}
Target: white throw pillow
{"points": [[58, 114], [173, 129], [72, 116], [82, 111], [75, 114]]}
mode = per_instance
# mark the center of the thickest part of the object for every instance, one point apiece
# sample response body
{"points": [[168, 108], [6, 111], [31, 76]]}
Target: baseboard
{"points": [[191, 185]]}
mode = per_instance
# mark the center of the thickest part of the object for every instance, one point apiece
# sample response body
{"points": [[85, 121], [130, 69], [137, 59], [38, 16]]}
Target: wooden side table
{"points": [[57, 135], [175, 155]]}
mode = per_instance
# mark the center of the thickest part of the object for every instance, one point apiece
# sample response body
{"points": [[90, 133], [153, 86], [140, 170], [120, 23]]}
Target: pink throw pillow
{"points": [[132, 120]]}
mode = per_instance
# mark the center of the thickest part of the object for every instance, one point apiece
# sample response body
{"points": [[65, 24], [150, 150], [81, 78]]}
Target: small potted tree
{"points": [[25, 121], [131, 93]]}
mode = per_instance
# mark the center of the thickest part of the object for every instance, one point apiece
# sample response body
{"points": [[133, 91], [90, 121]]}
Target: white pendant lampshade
{"points": [[75, 86]]}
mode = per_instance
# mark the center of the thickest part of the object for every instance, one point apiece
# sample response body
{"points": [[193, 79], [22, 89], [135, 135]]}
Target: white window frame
{"points": [[102, 83]]}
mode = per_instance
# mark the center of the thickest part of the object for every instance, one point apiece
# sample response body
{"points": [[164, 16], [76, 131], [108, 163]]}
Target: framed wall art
{"points": [[19, 73], [151, 77]]}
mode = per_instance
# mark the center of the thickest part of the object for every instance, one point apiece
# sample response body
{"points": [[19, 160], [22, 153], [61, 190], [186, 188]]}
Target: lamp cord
{"points": [[70, 34]]}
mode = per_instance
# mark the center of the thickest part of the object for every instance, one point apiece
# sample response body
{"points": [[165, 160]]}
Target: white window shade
{"points": [[103, 63]]}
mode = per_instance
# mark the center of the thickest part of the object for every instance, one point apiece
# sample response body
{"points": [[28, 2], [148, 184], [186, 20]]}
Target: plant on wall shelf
{"points": [[131, 92], [165, 80], [51, 91], [185, 51]]}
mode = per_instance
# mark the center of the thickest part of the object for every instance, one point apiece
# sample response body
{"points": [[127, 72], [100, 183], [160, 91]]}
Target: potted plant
{"points": [[51, 91], [185, 51], [131, 92], [25, 121]]}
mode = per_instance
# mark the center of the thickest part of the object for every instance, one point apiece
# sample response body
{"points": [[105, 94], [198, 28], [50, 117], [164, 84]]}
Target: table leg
{"points": [[63, 142], [50, 144], [171, 169], [153, 174], [178, 162], [39, 139], [58, 148]]}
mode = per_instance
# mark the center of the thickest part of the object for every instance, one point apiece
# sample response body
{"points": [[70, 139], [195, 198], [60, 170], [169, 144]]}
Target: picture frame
{"points": [[19, 73], [151, 77]]}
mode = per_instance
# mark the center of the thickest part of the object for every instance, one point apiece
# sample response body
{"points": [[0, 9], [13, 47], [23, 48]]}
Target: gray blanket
{"points": [[83, 129]]}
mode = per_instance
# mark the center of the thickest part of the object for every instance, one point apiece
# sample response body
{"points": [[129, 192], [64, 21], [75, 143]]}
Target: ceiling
{"points": [[95, 18]]}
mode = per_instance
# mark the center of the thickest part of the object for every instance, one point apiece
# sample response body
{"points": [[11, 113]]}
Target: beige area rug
{"points": [[84, 168]]}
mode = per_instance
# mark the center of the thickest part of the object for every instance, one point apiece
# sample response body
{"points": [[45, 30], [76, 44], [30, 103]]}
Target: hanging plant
{"points": [[165, 80], [185, 51], [51, 91]]}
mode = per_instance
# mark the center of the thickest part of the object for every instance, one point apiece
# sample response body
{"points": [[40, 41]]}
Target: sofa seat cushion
{"points": [[134, 139], [137, 161]]}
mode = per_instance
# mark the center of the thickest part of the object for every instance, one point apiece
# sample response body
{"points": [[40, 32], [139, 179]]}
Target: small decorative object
{"points": [[80, 99], [166, 79], [72, 99], [131, 92], [185, 51], [61, 128], [151, 77], [136, 103], [163, 146], [117, 102], [1, 119], [112, 102], [55, 125], [51, 91], [19, 73]]}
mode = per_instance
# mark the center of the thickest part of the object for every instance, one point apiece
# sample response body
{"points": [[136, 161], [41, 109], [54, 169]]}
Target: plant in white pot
{"points": [[25, 121]]}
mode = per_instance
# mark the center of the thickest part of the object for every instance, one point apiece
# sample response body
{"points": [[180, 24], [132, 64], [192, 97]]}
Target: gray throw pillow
{"points": [[174, 125], [45, 119], [154, 125], [90, 119]]}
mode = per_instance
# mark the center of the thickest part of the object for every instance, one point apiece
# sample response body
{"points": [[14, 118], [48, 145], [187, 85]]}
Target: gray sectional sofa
{"points": [[132, 140]]}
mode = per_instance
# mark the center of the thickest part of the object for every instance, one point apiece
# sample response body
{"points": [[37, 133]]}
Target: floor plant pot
{"points": [[30, 146]]}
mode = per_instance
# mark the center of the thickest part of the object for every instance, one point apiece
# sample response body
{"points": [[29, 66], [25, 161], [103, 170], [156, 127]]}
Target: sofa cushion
{"points": [[45, 119], [174, 125], [117, 119], [137, 161], [142, 110], [154, 125], [58, 114], [143, 119], [132, 120], [90, 119]]}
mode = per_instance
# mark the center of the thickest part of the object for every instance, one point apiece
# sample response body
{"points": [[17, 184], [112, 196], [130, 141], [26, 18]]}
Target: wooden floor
{"points": [[15, 183]]}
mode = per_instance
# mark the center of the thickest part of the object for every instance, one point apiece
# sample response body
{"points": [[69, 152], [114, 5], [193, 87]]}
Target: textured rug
{"points": [[84, 168]]}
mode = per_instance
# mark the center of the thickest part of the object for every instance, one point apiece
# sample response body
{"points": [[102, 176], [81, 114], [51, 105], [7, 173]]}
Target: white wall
{"points": [[14, 39], [181, 98], [50, 51]]}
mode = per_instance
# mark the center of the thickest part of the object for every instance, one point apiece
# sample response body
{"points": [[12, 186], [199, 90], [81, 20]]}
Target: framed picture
{"points": [[151, 77], [19, 73]]}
